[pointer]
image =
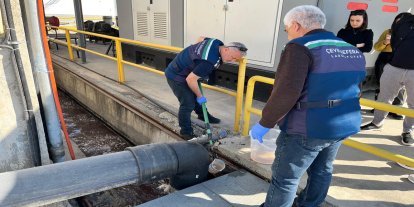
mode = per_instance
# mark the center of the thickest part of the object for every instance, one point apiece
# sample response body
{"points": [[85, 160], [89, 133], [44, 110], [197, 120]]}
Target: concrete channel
{"points": [[126, 111], [91, 137]]}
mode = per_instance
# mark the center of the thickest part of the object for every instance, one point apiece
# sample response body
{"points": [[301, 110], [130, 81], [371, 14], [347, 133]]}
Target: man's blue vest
{"points": [[329, 104], [183, 64]]}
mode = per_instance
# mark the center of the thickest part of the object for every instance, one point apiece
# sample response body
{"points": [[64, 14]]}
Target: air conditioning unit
{"points": [[153, 21]]}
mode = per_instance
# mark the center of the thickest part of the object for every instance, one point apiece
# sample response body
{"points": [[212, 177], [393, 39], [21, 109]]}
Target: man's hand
{"points": [[258, 131], [201, 100]]}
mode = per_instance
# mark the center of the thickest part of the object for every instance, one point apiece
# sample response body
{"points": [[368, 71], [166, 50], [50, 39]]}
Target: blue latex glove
{"points": [[201, 100], [258, 131]]}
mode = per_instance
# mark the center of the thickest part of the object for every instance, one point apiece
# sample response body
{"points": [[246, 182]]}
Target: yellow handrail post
{"points": [[248, 105], [240, 92], [121, 75], [248, 109], [70, 51]]}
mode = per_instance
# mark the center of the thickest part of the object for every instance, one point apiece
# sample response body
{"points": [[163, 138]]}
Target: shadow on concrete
{"points": [[372, 203], [373, 184], [393, 170], [238, 188], [396, 139]]}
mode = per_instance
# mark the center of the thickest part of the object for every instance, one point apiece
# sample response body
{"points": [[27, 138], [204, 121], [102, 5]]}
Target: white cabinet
{"points": [[204, 18], [250, 22], [254, 24], [152, 21]]}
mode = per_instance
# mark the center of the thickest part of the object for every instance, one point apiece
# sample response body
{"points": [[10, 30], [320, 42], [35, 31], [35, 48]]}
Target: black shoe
{"points": [[407, 139], [370, 126], [211, 119], [187, 136], [396, 116]]}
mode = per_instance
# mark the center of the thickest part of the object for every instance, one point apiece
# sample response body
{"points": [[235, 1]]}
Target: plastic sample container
{"points": [[216, 166], [264, 153]]}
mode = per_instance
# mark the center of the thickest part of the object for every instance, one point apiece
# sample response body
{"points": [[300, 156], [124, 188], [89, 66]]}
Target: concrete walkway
{"points": [[238, 189], [360, 179]]}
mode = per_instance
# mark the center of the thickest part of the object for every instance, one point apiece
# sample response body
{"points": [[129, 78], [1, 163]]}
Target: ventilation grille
{"points": [[160, 25], [142, 25]]}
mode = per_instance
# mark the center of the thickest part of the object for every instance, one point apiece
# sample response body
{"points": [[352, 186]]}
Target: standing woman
{"points": [[356, 32], [383, 45]]}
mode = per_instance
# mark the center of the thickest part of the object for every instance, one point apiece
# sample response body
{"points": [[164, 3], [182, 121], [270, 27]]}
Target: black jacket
{"points": [[402, 43], [357, 36]]}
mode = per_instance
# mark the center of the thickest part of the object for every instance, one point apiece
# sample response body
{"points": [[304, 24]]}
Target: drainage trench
{"points": [[129, 119], [94, 138]]}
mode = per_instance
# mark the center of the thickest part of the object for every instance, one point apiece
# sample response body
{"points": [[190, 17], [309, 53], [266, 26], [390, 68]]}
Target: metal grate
{"points": [[160, 25], [142, 24]]}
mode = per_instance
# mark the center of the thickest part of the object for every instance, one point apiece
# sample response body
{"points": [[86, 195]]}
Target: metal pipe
{"points": [[42, 23], [79, 25], [185, 162], [39, 66]]}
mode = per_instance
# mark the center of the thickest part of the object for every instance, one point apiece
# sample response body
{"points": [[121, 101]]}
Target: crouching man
{"points": [[192, 64]]}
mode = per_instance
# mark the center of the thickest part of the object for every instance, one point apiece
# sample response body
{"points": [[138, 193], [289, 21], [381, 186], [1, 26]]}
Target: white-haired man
{"points": [[315, 102], [192, 64]]}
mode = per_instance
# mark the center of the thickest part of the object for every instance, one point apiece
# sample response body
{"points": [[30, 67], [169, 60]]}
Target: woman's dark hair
{"points": [[398, 18], [362, 13]]}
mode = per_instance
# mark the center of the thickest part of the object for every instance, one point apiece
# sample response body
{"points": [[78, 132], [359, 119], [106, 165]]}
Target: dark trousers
{"points": [[382, 60], [188, 103]]}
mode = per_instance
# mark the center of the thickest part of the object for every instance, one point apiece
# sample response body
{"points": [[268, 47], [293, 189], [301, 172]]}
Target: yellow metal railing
{"points": [[249, 101], [349, 142], [120, 61]]}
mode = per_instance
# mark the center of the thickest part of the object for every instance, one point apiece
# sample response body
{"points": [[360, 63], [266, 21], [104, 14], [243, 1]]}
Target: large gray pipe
{"points": [[185, 162], [38, 60]]}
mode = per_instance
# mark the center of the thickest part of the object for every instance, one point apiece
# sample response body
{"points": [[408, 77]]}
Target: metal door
{"points": [[281, 35], [160, 21], [140, 14], [203, 18], [254, 24]]}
